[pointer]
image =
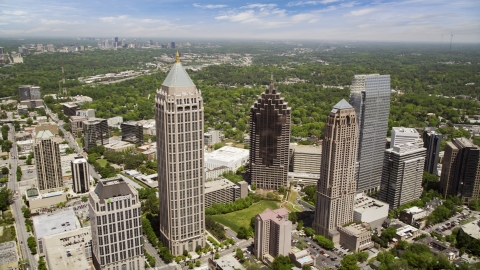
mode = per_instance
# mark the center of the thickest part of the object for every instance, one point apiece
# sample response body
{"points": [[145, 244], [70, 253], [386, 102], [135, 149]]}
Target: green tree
{"points": [[309, 231], [306, 267], [6, 198], [389, 233], [84, 198], [42, 265], [299, 225], [324, 242], [217, 256], [32, 245], [281, 263], [361, 256], [239, 255], [349, 262], [5, 170]]}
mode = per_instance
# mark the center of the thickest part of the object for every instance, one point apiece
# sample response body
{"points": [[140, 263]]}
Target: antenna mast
{"points": [[64, 86]]}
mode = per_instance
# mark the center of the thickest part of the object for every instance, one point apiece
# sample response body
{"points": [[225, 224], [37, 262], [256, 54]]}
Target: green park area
{"points": [[102, 162], [242, 218]]}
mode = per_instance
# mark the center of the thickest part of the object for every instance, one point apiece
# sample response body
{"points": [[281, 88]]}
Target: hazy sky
{"points": [[401, 20]]}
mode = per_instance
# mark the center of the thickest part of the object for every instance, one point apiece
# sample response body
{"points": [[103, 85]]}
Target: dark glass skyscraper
{"points": [[431, 141], [270, 140]]}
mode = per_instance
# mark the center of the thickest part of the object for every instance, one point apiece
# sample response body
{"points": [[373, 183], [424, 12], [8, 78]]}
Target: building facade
{"points": [[431, 141], [461, 170], [336, 187], [356, 237], [47, 161], [221, 191], [80, 175], [95, 131], [305, 159], [132, 131], [273, 233], [269, 140], [179, 124], [76, 125], [370, 96], [402, 174], [116, 222]]}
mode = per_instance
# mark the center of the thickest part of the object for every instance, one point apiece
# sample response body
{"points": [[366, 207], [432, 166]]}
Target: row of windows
{"points": [[123, 255], [105, 240]]}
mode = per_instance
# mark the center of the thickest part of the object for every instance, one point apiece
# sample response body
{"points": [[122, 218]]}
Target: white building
{"points": [[228, 156], [115, 121], [72, 248], [402, 135], [369, 210]]}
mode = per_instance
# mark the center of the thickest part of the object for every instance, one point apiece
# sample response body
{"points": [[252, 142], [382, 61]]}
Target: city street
{"points": [[315, 249], [22, 234]]}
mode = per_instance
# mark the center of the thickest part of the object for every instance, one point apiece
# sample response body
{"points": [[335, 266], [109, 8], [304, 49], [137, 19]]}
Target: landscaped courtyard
{"points": [[237, 219]]}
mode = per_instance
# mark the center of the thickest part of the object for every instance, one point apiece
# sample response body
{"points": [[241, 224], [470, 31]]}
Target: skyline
{"points": [[405, 20]]}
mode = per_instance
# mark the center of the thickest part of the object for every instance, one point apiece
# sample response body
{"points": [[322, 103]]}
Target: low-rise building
{"points": [[222, 191], [8, 255], [212, 137], [407, 232], [215, 172], [37, 200], [356, 237], [273, 233], [114, 121], [301, 257], [76, 124], [51, 224], [413, 215], [369, 210], [119, 146], [439, 247], [33, 103], [472, 229], [227, 262], [88, 113], [231, 157], [149, 150], [70, 109], [71, 248], [303, 179]]}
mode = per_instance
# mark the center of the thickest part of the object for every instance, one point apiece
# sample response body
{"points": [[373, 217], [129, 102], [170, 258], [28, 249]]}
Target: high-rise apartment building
{"points": [[273, 233], [47, 161], [402, 174], [336, 187], [179, 124], [431, 141], [80, 175], [269, 140], [95, 131], [132, 131], [116, 222], [370, 96], [461, 170], [403, 135]]}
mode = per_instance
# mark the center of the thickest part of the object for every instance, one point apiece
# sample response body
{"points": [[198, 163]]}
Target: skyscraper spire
{"points": [[177, 58], [271, 82]]}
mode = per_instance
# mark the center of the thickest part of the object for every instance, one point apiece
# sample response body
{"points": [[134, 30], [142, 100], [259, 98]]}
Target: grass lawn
{"points": [[292, 198], [102, 162], [6, 235], [237, 219], [79, 142]]}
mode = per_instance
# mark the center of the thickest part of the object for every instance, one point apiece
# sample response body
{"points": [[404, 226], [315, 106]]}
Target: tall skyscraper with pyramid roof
{"points": [[270, 140], [179, 124], [336, 187]]}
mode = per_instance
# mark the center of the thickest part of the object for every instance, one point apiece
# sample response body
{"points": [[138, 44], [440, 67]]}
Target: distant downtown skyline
{"points": [[403, 20]]}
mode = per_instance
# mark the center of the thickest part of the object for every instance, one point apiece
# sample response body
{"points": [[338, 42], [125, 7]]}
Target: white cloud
{"points": [[48, 22], [209, 6], [14, 12], [362, 12], [310, 3], [113, 19], [261, 6], [152, 21]]}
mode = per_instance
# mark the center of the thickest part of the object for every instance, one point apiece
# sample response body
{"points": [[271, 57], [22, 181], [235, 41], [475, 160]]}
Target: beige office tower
{"points": [[47, 161], [336, 187], [116, 222], [269, 140], [273, 233], [179, 126]]}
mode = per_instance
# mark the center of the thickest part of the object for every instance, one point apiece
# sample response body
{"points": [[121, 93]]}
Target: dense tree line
{"points": [[215, 228], [239, 204]]}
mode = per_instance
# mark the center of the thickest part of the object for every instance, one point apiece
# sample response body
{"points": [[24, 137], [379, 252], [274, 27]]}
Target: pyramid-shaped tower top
{"points": [[341, 105], [177, 75]]}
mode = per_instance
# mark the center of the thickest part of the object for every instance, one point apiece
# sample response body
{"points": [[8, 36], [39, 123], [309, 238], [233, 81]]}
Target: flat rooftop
{"points": [[306, 149], [365, 204], [227, 154], [218, 184], [8, 252], [405, 130], [228, 262], [472, 229], [67, 250], [46, 225]]}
